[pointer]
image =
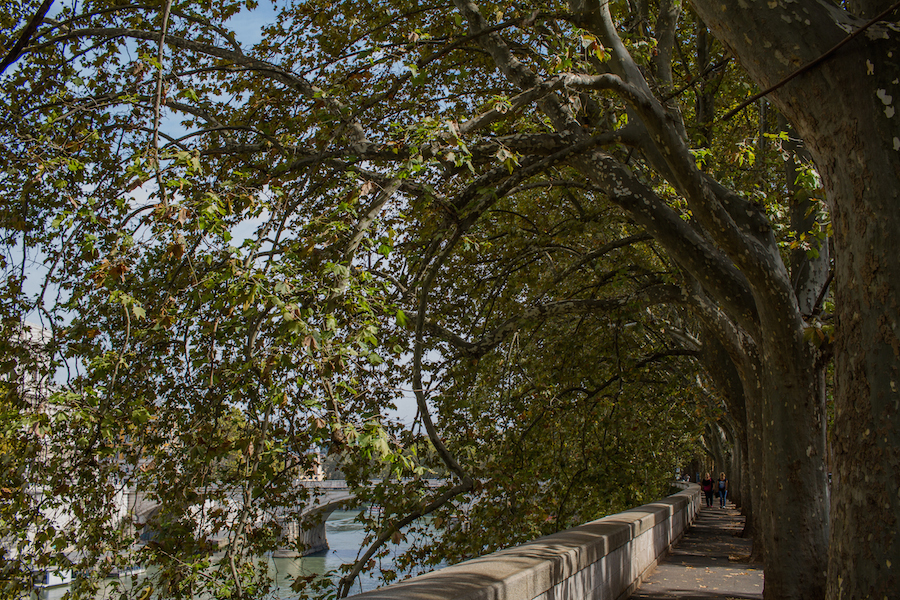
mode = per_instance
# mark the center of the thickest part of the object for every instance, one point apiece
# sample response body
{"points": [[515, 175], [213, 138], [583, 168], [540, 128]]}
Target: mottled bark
{"points": [[759, 526], [867, 9], [865, 542], [794, 491], [845, 111], [735, 474], [719, 445], [745, 497]]}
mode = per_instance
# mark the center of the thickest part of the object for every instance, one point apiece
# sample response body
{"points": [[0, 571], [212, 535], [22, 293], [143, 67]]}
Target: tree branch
{"points": [[489, 341], [386, 533], [19, 47]]}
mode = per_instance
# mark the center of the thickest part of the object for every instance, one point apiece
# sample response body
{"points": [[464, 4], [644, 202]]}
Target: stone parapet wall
{"points": [[605, 559]]}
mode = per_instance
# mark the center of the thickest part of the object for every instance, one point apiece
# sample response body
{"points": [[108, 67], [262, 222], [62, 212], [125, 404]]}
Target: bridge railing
{"points": [[607, 559], [340, 484]]}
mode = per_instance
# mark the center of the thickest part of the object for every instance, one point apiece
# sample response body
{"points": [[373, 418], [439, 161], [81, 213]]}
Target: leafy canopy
{"points": [[247, 255]]}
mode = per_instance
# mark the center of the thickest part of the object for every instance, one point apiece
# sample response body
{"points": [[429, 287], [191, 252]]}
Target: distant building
{"points": [[30, 372]]}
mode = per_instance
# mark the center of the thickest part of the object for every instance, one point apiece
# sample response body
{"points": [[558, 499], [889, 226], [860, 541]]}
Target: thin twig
{"points": [[817, 307], [120, 358], [706, 73], [158, 101]]}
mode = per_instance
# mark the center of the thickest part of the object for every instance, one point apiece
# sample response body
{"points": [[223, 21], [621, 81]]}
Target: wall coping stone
{"points": [[532, 569]]}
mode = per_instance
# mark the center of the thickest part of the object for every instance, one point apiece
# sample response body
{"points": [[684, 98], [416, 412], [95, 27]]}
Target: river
{"points": [[345, 536]]}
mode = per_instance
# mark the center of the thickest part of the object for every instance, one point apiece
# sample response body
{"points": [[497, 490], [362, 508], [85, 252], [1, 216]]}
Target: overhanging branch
{"points": [[19, 47], [652, 295]]}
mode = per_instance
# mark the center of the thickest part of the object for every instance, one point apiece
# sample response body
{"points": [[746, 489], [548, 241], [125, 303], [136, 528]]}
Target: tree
{"points": [[470, 190], [845, 114]]}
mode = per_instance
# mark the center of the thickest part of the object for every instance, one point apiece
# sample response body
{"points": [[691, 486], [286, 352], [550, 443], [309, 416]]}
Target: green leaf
{"points": [[140, 416]]}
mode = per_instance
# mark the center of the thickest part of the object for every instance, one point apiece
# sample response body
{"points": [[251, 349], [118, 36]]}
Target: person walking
{"points": [[707, 486], [722, 489]]}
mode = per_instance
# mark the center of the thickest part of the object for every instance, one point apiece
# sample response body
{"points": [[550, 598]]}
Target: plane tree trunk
{"points": [[844, 108]]}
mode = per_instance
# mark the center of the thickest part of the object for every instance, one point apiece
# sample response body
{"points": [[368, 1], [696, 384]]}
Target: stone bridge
{"points": [[334, 494], [309, 529]]}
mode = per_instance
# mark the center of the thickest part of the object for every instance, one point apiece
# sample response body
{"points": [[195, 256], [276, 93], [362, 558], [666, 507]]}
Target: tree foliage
{"points": [[527, 216]]}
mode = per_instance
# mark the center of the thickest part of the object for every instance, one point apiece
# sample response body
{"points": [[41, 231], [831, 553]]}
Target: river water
{"points": [[345, 537]]}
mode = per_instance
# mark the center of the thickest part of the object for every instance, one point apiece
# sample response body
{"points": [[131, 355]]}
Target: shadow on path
{"points": [[708, 562]]}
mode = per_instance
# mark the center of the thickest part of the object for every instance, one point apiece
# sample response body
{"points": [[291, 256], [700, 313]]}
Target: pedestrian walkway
{"points": [[708, 562]]}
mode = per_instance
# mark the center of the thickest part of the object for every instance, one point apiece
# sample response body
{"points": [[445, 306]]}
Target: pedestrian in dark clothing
{"points": [[707, 486]]}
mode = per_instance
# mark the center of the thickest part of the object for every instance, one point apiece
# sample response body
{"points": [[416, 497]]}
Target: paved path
{"points": [[708, 562]]}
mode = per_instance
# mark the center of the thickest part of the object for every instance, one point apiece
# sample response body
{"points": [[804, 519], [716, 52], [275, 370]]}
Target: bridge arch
{"points": [[309, 532]]}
